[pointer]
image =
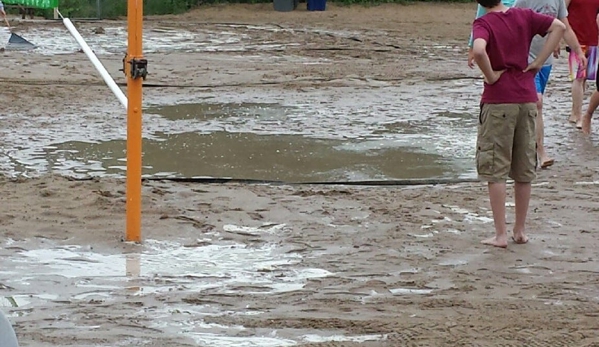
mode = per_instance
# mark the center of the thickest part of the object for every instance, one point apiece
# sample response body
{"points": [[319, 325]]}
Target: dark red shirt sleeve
{"points": [[540, 23], [480, 30]]}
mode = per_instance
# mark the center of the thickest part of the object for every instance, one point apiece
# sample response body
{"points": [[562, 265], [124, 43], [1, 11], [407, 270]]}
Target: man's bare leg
{"points": [[540, 134], [586, 119], [578, 86], [522, 201], [497, 196]]}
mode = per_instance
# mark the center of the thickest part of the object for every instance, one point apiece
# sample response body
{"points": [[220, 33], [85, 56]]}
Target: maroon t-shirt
{"points": [[582, 16], [508, 35]]}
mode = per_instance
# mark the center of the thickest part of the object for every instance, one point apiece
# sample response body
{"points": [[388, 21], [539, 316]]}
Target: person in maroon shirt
{"points": [[581, 14], [506, 144], [594, 102]]}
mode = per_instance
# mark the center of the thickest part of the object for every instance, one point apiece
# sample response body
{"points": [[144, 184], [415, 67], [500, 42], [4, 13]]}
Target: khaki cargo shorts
{"points": [[506, 145]]}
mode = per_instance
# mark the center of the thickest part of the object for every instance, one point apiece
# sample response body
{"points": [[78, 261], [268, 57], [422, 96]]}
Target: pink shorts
{"points": [[574, 64]]}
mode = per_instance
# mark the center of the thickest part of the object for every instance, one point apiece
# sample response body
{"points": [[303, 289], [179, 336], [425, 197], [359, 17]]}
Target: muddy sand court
{"points": [[352, 93]]}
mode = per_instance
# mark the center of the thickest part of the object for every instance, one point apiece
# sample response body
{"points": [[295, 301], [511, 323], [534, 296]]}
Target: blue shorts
{"points": [[541, 78]]}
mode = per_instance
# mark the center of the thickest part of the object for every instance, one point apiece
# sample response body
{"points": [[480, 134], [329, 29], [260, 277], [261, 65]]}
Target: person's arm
{"points": [[481, 34], [554, 35], [481, 57], [572, 42], [562, 13], [480, 11], [567, 4]]}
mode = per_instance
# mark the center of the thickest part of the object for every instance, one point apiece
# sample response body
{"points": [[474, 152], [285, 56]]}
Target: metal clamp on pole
{"points": [[139, 68]]}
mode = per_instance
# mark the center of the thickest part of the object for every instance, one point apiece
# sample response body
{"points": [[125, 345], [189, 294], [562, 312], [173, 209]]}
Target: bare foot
{"points": [[500, 242], [579, 124], [546, 162], [573, 119], [520, 238], [586, 124]]}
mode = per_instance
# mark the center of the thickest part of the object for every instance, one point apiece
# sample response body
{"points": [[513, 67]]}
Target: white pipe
{"points": [[97, 64]]}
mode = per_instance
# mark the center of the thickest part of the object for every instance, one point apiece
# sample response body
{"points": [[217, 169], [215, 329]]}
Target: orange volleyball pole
{"points": [[135, 68]]}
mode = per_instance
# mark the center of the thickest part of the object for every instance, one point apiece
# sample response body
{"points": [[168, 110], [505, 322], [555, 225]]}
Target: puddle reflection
{"points": [[133, 271]]}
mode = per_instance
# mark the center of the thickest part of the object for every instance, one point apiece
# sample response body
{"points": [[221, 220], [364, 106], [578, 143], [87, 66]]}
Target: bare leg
{"points": [[586, 119], [497, 197], [5, 20], [578, 86], [522, 200], [540, 134]]}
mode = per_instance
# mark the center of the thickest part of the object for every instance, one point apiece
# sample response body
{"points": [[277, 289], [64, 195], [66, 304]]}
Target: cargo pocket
{"points": [[485, 159], [492, 124], [498, 119]]}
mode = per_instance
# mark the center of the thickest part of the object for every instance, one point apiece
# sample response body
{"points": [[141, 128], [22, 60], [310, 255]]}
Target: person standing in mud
{"points": [[594, 102], [556, 9], [584, 24], [505, 145], [3, 13]]}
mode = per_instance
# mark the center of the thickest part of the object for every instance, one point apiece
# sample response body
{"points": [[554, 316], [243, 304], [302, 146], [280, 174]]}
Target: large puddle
{"points": [[249, 156], [264, 142]]}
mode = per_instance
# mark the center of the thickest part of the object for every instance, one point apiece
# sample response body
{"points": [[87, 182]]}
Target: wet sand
{"points": [[282, 265]]}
